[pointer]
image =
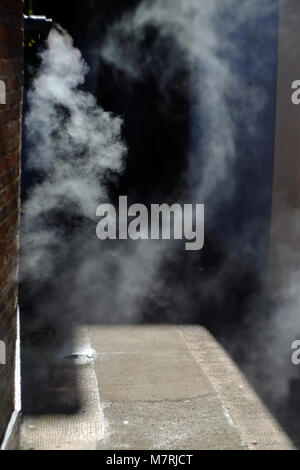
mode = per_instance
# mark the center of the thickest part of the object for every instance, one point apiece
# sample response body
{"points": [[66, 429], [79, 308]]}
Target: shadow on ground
{"points": [[236, 317]]}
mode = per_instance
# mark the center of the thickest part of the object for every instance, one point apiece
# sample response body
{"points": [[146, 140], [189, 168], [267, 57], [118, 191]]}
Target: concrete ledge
{"points": [[12, 435]]}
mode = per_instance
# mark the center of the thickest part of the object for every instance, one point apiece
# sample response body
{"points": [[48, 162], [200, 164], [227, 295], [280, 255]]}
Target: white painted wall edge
{"points": [[10, 440]]}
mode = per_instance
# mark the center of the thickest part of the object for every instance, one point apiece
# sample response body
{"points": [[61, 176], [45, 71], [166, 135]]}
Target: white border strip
{"points": [[13, 423]]}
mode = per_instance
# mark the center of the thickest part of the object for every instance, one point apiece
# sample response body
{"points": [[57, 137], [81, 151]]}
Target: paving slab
{"points": [[154, 394], [150, 387], [73, 379], [258, 428]]}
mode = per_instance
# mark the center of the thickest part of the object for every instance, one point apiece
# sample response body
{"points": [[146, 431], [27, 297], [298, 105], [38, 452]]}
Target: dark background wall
{"points": [[159, 139], [11, 72], [157, 135]]}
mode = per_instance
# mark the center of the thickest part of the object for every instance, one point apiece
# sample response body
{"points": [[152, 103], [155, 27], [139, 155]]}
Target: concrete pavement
{"points": [[157, 387], [155, 396]]}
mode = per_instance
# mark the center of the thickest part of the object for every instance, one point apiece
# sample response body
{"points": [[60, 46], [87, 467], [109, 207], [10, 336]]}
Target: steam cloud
{"points": [[74, 145], [78, 149], [204, 33]]}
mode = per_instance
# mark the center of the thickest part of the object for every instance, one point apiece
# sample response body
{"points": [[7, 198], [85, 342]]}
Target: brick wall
{"points": [[11, 73]]}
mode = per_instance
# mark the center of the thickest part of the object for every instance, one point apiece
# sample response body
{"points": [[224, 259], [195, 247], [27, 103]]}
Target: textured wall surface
{"points": [[285, 228], [11, 74]]}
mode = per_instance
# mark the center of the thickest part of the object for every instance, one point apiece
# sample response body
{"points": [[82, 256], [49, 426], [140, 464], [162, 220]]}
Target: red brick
{"points": [[11, 71], [11, 66], [14, 82], [10, 34], [10, 51], [10, 145], [9, 129], [14, 5], [9, 114], [14, 97], [3, 164]]}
